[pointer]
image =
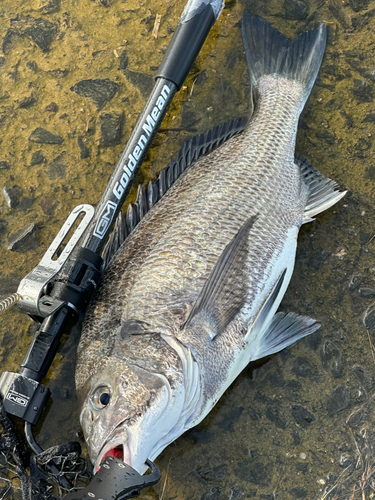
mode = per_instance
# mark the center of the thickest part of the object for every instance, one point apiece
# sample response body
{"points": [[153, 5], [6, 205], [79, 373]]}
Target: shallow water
{"points": [[280, 431]]}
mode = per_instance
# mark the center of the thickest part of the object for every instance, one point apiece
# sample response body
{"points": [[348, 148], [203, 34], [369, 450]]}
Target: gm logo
{"points": [[15, 398], [105, 219]]}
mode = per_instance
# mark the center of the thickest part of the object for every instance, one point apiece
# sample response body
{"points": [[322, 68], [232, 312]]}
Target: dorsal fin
{"points": [[192, 150]]}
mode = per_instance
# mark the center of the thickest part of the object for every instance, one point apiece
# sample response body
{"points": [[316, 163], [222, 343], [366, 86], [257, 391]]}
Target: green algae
{"points": [[250, 445]]}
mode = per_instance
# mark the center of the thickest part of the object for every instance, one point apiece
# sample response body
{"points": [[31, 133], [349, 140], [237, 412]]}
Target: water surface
{"points": [[280, 431]]}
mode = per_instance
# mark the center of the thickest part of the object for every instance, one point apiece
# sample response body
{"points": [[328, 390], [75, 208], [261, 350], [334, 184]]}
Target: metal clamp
{"points": [[32, 288]]}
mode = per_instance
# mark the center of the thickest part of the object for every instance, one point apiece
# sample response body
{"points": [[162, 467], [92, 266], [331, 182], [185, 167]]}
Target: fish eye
{"points": [[101, 397]]}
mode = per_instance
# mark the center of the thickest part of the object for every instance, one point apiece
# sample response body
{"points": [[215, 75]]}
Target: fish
{"points": [[191, 295]]}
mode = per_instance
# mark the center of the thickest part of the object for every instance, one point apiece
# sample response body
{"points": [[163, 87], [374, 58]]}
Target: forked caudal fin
{"points": [[270, 53]]}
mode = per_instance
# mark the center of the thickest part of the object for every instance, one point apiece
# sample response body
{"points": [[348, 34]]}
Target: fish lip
{"points": [[117, 439]]}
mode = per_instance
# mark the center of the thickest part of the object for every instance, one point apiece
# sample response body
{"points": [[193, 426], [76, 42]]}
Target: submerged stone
{"points": [[37, 158], [363, 91], [56, 169], [358, 5], [12, 195], [302, 415], [83, 149], [99, 91], [24, 240], [143, 82], [110, 129], [339, 400], [42, 32], [295, 9], [42, 136]]}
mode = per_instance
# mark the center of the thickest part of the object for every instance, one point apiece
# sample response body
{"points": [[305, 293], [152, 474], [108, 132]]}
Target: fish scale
{"points": [[191, 295]]}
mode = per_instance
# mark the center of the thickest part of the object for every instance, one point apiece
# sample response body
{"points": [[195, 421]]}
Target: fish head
{"points": [[126, 412]]}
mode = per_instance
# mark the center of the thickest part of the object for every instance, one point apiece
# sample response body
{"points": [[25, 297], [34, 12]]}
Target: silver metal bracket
{"points": [[32, 288]]}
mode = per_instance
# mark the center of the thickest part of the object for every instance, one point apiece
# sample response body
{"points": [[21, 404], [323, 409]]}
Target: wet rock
{"points": [[27, 102], [2, 61], [362, 376], [369, 318], [235, 493], [302, 415], [273, 415], [143, 82], [37, 158], [299, 492], [110, 125], [370, 117], [214, 493], [356, 418], [359, 395], [51, 107], [253, 472], [295, 9], [326, 137], [48, 6], [4, 165], [363, 91], [8, 39], [56, 169], [302, 368], [367, 292], [216, 474], [48, 205], [99, 91], [83, 149], [349, 122], [42, 32], [358, 5], [355, 281], [336, 366], [25, 204], [43, 136], [124, 60], [12, 195], [331, 358], [24, 240], [7, 339], [339, 400]]}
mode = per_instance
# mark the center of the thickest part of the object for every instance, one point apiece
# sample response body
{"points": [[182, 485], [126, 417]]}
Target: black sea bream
{"points": [[190, 298]]}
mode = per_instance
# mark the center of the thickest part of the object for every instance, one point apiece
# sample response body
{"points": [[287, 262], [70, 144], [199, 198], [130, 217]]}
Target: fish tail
{"points": [[270, 53]]}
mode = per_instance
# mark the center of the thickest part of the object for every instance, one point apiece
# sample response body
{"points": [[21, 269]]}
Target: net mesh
{"points": [[31, 478]]}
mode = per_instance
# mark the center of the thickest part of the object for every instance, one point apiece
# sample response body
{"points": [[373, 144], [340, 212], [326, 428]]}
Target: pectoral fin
{"points": [[223, 295]]}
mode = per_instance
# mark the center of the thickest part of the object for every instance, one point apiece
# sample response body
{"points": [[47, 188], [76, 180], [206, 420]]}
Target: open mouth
{"points": [[113, 448], [117, 452]]}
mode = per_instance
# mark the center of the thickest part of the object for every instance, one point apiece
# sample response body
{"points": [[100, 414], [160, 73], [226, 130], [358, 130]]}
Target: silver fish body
{"points": [[190, 298]]}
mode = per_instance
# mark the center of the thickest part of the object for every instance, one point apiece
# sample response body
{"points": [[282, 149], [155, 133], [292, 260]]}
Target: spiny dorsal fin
{"points": [[323, 192], [192, 150], [224, 293]]}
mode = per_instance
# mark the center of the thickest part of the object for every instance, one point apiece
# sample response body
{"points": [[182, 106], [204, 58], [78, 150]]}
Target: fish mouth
{"points": [[116, 446]]}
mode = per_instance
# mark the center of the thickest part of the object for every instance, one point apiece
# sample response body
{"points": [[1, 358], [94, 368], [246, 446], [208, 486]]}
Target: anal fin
{"points": [[284, 330]]}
